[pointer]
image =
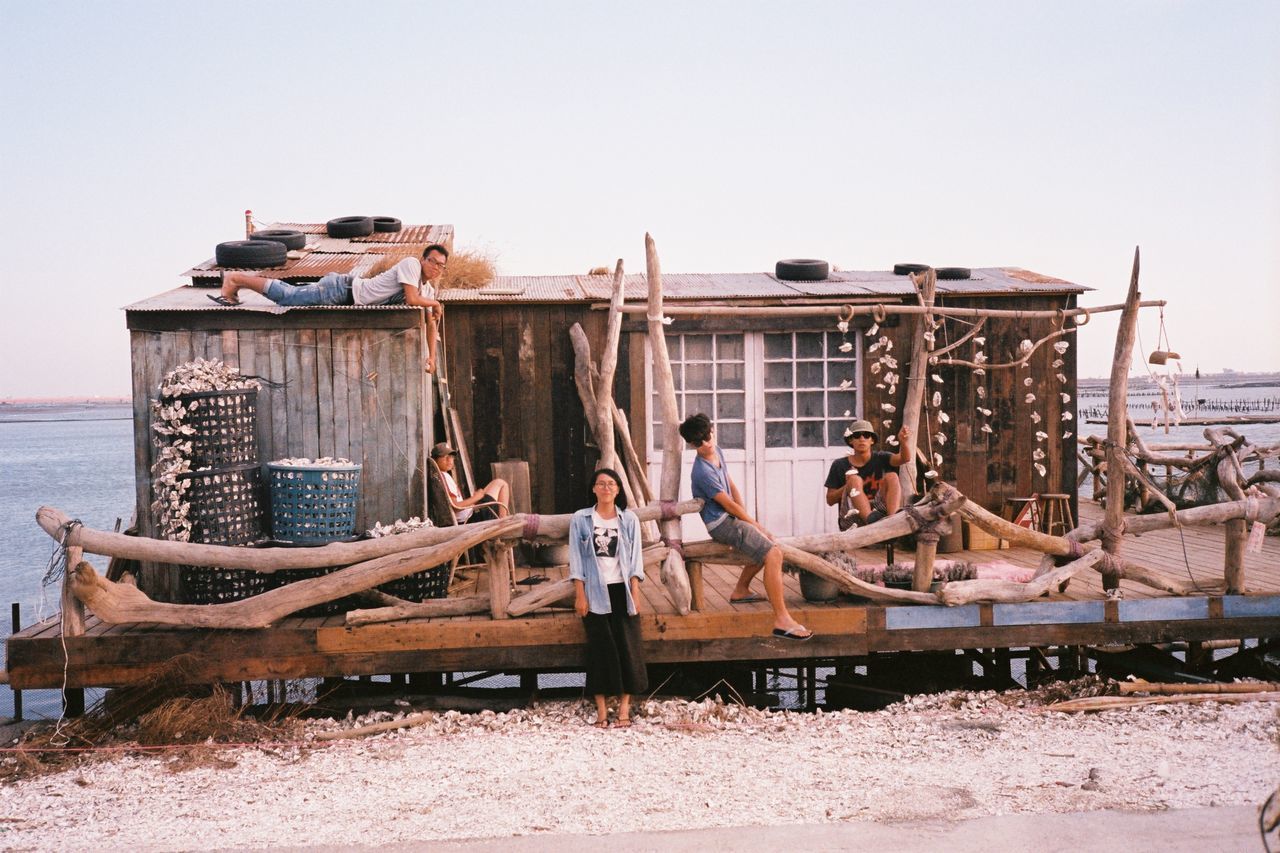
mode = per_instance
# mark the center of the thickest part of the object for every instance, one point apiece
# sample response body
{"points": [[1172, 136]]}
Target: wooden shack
{"points": [[765, 358], [337, 381]]}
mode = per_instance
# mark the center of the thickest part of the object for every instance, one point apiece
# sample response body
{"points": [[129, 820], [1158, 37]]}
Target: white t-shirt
{"points": [[455, 495], [385, 287], [604, 535]]}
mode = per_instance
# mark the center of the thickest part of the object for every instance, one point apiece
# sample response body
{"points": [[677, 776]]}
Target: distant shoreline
{"points": [[65, 401]]}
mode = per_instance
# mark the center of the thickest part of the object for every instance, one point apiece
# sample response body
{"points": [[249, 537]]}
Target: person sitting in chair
{"points": [[864, 482], [490, 502]]}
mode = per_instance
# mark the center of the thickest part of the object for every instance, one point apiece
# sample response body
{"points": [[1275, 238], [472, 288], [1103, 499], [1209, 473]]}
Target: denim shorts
{"points": [[333, 289], [743, 538]]}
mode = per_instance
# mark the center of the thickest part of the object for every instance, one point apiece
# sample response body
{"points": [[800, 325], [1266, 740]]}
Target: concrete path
{"points": [[1219, 830]]}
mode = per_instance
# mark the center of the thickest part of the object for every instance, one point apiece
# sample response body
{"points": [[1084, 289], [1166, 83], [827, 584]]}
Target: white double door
{"points": [[780, 402]]}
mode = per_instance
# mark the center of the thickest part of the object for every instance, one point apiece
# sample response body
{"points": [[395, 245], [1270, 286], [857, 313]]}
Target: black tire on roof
{"points": [[250, 254], [802, 269], [386, 224], [290, 239], [350, 226], [907, 269], [953, 273]]}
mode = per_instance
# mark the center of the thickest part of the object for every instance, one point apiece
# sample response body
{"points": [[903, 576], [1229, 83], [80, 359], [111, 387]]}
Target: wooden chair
{"points": [[466, 566]]}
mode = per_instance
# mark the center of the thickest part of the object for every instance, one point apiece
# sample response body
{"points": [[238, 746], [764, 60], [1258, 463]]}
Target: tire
{"points": [[386, 224], [907, 269], [802, 269], [290, 239], [250, 254], [953, 273], [349, 226]]}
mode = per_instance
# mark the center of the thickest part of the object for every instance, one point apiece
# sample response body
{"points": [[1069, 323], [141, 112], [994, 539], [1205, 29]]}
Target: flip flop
{"points": [[792, 635], [747, 599], [222, 300], [622, 724], [602, 724]]}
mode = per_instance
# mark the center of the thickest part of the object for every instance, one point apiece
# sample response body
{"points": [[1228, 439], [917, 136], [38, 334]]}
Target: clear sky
{"points": [[1054, 137]]}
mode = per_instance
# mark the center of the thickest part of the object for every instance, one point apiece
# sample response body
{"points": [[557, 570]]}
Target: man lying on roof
{"points": [[864, 482], [409, 282]]}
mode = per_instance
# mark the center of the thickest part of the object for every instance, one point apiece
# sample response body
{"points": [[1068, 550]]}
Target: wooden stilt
{"points": [[696, 591], [72, 607]]}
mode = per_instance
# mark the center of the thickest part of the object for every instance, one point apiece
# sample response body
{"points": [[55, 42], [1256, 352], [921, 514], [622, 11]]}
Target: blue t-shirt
{"points": [[708, 481]]}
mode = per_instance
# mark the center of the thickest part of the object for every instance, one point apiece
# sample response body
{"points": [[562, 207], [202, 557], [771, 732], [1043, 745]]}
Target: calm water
{"points": [[79, 458]]}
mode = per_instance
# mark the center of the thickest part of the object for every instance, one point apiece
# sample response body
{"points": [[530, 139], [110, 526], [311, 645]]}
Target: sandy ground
{"points": [[681, 766]]}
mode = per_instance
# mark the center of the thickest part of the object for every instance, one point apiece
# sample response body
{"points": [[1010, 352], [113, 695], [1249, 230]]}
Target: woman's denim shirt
{"points": [[582, 558]]}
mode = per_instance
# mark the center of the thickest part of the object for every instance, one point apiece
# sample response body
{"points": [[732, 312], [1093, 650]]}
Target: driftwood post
{"points": [[1117, 424], [674, 575], [926, 288], [1235, 531], [608, 366], [499, 557], [72, 607]]}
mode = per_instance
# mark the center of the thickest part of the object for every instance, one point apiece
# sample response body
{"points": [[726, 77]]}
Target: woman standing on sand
{"points": [[606, 568]]}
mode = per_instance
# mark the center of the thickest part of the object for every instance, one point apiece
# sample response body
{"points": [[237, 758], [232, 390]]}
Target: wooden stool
{"points": [[1028, 509], [1055, 514]]}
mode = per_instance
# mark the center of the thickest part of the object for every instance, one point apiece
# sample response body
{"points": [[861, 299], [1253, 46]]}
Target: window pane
{"points": [[810, 434], [729, 348], [808, 345], [697, 377], [730, 406], [657, 438], [731, 435], [778, 405], [835, 433], [777, 346], [838, 403], [838, 371], [809, 404], [697, 404], [778, 435], [677, 376], [673, 347], [697, 348], [730, 375], [834, 340], [777, 375], [809, 374]]}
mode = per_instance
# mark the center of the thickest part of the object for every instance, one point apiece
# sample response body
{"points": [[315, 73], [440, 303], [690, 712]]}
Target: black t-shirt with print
{"points": [[872, 473]]}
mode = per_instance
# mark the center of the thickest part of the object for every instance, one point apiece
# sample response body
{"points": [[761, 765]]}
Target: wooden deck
{"points": [[122, 654]]}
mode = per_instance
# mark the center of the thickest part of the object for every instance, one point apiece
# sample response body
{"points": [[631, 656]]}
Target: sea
{"points": [[78, 457]]}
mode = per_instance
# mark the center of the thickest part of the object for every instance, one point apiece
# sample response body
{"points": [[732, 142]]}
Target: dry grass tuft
{"points": [[598, 271]]}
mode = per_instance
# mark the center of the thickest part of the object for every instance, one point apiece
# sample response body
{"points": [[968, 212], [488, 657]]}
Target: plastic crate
{"points": [[313, 504], [420, 586], [225, 424], [207, 585]]}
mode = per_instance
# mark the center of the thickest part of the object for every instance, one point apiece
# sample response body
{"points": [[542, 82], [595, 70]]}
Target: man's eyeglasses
{"points": [[434, 261], [863, 435]]}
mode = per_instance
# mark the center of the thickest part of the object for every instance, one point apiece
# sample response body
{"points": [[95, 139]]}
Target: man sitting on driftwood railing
{"points": [[864, 482], [729, 524]]}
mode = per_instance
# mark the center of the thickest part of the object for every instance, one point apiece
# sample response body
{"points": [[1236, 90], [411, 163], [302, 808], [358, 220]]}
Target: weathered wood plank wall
{"points": [[349, 384]]}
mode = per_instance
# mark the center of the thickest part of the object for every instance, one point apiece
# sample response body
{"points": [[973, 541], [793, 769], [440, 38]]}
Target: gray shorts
{"points": [[744, 538]]}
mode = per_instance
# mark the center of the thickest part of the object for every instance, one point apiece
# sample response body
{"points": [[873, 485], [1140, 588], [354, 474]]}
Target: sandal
{"points": [[622, 723], [224, 301], [602, 724]]}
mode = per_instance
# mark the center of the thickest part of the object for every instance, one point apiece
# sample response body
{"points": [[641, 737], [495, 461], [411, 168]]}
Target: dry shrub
{"points": [[468, 269], [187, 720], [598, 271]]}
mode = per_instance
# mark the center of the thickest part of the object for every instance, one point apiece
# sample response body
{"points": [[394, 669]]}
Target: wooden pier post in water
{"points": [[1117, 424]]}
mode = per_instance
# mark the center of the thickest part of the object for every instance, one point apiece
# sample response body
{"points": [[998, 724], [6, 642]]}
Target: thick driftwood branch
{"points": [[926, 286], [542, 595], [1107, 703], [674, 575], [608, 366], [118, 603], [1008, 592], [1259, 508], [267, 560], [420, 610], [847, 582]]}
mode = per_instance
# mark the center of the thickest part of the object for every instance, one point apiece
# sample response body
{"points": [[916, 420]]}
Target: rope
{"points": [[675, 544], [57, 567], [531, 523], [668, 509], [923, 527]]}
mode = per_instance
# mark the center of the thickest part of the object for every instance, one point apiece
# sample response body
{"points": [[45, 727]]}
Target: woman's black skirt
{"points": [[615, 656]]}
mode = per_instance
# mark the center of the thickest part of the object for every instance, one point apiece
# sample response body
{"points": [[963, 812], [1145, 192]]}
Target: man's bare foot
{"points": [[230, 291]]}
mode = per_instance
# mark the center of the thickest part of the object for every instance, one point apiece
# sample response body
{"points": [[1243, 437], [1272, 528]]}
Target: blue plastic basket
{"points": [[312, 504]]}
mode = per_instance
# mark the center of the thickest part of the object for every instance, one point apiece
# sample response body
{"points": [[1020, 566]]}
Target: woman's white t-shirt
{"points": [[604, 536]]}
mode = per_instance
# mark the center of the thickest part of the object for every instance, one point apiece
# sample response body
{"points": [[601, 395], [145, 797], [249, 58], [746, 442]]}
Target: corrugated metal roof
{"points": [[324, 254], [719, 286]]}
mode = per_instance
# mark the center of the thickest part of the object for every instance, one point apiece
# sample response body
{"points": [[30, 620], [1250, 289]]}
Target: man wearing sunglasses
{"points": [[409, 282], [864, 482]]}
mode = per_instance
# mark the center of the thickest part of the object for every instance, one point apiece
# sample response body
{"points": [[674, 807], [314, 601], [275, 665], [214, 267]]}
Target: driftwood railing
{"points": [[374, 562]]}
